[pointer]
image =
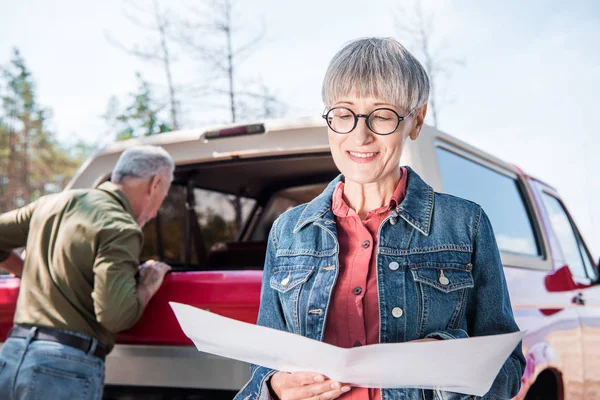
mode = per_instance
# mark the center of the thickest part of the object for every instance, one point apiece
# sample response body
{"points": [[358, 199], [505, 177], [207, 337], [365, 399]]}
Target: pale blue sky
{"points": [[527, 94]]}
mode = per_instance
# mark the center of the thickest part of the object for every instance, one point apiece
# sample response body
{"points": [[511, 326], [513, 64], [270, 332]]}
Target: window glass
{"points": [[572, 248], [498, 194], [221, 216], [215, 219]]}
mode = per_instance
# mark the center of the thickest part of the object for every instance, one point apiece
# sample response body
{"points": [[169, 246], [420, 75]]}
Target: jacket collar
{"points": [[416, 208]]}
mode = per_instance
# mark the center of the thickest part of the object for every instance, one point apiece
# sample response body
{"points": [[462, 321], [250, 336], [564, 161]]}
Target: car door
{"points": [[553, 340], [586, 296]]}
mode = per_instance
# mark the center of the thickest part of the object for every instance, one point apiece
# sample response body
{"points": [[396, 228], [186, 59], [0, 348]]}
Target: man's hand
{"points": [[151, 276], [13, 264], [305, 386]]}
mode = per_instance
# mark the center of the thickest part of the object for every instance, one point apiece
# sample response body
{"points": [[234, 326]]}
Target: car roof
{"points": [[280, 137]]}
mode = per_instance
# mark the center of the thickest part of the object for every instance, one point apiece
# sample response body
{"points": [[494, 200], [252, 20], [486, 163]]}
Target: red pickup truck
{"points": [[232, 182]]}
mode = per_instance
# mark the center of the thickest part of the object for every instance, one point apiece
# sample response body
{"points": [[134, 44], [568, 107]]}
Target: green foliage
{"points": [[140, 118], [32, 162]]}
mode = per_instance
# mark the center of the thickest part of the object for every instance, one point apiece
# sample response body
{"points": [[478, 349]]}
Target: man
{"points": [[78, 281]]}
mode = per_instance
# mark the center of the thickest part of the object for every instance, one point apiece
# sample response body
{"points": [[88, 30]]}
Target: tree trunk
{"points": [[230, 58], [167, 65]]}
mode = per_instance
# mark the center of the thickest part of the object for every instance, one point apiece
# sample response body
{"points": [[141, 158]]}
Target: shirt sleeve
{"points": [[14, 229], [116, 302]]}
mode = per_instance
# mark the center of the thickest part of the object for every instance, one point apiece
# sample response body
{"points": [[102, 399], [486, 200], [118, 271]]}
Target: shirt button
{"points": [[357, 344], [394, 265], [357, 290], [397, 312], [366, 244]]}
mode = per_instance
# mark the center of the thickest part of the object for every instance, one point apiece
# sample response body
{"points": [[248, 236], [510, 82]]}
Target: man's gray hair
{"points": [[143, 162], [376, 67]]}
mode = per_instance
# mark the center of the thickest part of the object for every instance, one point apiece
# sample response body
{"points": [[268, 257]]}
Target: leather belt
{"points": [[58, 336]]}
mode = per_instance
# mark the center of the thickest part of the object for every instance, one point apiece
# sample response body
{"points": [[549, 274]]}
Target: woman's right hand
{"points": [[305, 386]]}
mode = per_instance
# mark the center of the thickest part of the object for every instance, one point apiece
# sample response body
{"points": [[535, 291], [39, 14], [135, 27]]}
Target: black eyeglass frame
{"points": [[366, 117]]}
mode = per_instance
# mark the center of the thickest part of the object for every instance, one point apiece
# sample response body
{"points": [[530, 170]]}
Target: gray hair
{"points": [[376, 67], [143, 162]]}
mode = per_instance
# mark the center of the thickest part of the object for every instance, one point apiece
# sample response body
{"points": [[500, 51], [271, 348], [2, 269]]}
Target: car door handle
{"points": [[578, 299]]}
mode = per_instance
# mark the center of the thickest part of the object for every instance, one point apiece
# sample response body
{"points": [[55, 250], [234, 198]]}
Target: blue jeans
{"points": [[47, 370]]}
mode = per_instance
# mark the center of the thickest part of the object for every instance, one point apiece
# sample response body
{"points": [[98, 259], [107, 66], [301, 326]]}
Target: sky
{"points": [[526, 91]]}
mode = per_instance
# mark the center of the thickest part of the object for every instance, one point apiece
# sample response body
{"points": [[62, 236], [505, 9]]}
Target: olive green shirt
{"points": [[82, 254]]}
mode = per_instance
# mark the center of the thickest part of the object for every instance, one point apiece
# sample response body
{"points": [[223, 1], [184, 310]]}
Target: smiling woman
{"points": [[378, 256]]}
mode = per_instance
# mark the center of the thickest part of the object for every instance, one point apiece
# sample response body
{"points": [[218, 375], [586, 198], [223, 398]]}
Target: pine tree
{"points": [[142, 117], [32, 162]]}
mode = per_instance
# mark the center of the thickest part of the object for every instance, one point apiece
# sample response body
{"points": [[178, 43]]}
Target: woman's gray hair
{"points": [[376, 67], [143, 162]]}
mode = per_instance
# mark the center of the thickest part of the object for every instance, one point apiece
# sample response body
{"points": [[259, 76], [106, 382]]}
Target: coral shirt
{"points": [[353, 316]]}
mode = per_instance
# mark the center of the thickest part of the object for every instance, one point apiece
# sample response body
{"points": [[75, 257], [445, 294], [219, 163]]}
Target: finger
{"points": [[162, 266], [332, 394], [159, 267], [304, 378], [315, 389], [165, 270]]}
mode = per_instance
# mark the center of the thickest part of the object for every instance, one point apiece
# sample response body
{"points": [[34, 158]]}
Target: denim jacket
{"points": [[437, 261]]}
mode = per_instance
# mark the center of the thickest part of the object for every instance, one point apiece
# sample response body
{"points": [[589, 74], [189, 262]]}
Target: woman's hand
{"points": [[305, 386]]}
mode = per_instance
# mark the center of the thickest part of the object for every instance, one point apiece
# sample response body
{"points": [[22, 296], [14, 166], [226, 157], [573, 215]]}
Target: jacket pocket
{"points": [[286, 278], [443, 278], [442, 290], [290, 282]]}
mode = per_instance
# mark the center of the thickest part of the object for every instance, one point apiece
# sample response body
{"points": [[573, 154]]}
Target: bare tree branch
{"points": [[159, 53], [418, 28]]}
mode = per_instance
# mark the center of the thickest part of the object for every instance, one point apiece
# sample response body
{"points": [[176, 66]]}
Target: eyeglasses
{"points": [[382, 121]]}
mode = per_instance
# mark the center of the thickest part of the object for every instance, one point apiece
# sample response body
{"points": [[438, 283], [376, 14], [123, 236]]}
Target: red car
{"points": [[230, 185]]}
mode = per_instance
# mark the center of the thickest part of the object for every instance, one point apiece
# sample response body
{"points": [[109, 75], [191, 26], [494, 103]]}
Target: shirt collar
{"points": [[341, 209], [116, 192], [416, 208]]}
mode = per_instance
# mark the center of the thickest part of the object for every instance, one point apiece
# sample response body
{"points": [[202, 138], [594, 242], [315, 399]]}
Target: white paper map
{"points": [[462, 365]]}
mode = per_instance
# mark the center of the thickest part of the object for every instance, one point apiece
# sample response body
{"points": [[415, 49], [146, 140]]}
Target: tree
{"points": [[33, 163], [157, 52], [211, 33], [21, 119], [417, 28], [140, 118]]}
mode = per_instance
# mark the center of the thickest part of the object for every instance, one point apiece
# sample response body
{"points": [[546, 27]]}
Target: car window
{"points": [[280, 202], [572, 247], [499, 195], [214, 219]]}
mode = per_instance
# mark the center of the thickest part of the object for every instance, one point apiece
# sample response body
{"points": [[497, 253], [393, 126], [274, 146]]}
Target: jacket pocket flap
{"points": [[285, 279], [443, 279]]}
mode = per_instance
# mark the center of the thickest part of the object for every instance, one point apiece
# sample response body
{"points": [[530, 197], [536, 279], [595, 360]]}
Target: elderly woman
{"points": [[379, 257]]}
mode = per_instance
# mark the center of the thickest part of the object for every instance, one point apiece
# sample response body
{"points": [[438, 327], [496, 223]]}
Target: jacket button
{"points": [[394, 265], [357, 290], [443, 280], [366, 244], [397, 312], [393, 221], [357, 344]]}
